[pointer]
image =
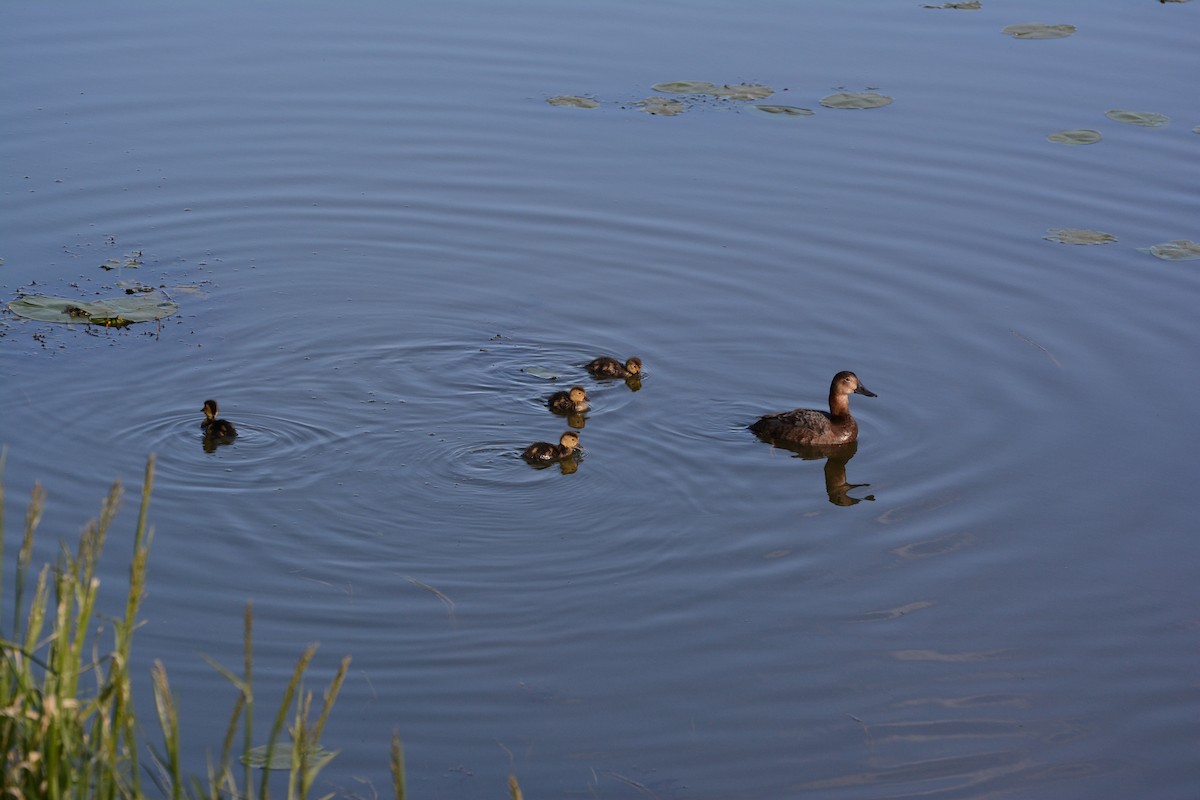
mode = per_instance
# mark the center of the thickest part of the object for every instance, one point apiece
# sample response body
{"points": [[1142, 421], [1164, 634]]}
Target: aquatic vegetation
{"points": [[67, 723], [661, 106], [1037, 30], [685, 87], [114, 312], [856, 100], [572, 101], [786, 111], [1082, 136], [736, 91], [1078, 236], [1178, 250], [1146, 119]]}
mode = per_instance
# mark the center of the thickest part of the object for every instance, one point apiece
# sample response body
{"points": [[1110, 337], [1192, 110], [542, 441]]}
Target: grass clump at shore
{"points": [[67, 724]]}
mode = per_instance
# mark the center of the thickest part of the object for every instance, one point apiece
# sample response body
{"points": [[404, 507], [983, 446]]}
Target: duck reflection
{"points": [[213, 439], [836, 457]]}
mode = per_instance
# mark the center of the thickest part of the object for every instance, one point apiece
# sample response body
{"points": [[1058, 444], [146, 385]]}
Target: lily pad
{"points": [[112, 312], [743, 91], [661, 106], [786, 111], [855, 100], [1078, 236], [1081, 136], [573, 101], [728, 91], [685, 87], [1145, 118], [1178, 250], [1036, 30]]}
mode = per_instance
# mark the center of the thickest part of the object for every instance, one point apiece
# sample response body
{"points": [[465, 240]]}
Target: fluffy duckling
{"points": [[809, 426], [544, 451], [572, 401], [213, 426], [609, 367]]}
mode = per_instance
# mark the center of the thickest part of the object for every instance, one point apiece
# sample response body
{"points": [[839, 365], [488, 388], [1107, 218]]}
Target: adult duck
{"points": [[810, 426]]}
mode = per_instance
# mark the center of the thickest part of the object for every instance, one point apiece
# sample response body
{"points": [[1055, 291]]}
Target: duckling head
{"points": [[569, 440], [577, 394], [210, 409], [633, 366]]}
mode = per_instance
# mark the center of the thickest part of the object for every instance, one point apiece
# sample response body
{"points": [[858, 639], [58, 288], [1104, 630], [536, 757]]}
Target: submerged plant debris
{"points": [[1037, 30], [1081, 136], [113, 312], [661, 106], [1147, 119], [316, 757], [786, 111], [573, 101], [856, 100], [1178, 250], [1078, 236], [974, 5]]}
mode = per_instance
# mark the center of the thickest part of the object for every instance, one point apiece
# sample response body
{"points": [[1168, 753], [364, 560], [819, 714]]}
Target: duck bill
{"points": [[864, 390]]}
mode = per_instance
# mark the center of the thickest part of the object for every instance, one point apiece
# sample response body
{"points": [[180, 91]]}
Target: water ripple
{"points": [[269, 452]]}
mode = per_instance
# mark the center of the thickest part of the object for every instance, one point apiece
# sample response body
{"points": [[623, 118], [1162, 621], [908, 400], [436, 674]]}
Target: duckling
{"points": [[609, 367], [213, 426], [544, 451], [574, 400], [809, 426]]}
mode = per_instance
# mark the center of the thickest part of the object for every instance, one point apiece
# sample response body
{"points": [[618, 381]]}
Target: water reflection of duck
{"points": [[836, 456], [809, 426], [546, 452], [609, 367], [574, 400], [213, 426]]}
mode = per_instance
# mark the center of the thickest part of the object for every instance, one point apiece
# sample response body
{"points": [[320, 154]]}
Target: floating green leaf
{"points": [[1078, 236], [729, 91], [1178, 250], [743, 91], [1081, 136], [1036, 30], [1144, 118], [661, 106], [573, 101], [685, 87], [113, 311], [855, 100], [786, 111]]}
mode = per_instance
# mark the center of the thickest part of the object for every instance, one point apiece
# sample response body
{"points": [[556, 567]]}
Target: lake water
{"points": [[382, 239]]}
